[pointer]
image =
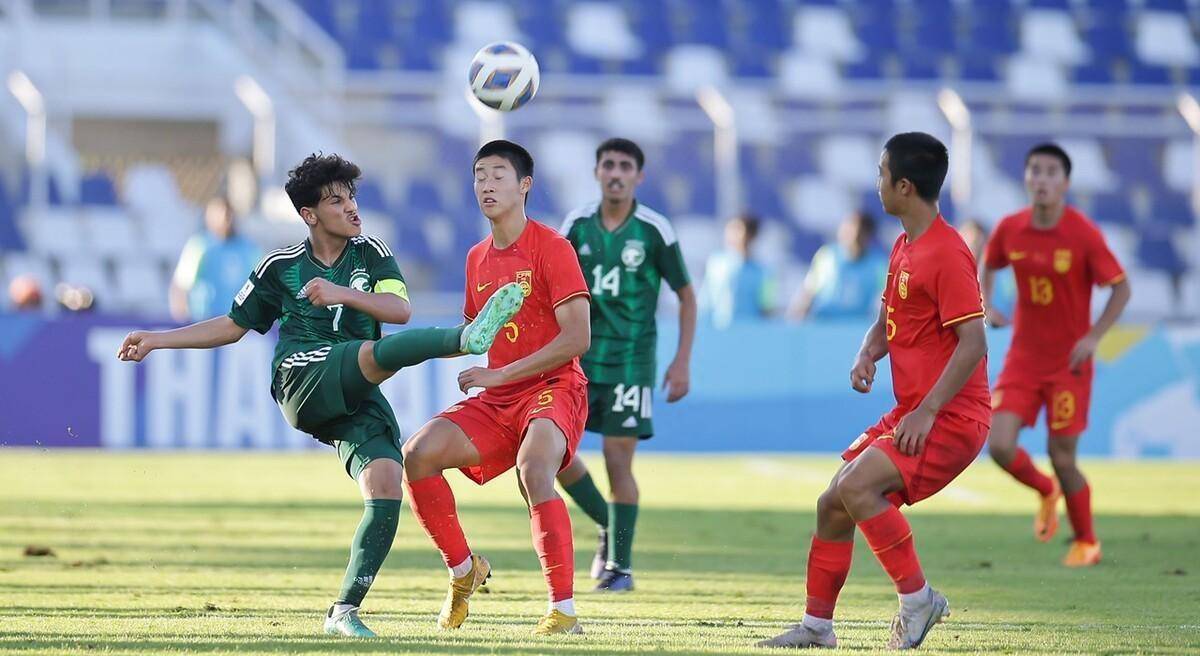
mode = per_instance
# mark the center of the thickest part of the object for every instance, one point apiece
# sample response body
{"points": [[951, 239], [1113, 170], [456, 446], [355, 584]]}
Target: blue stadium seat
{"points": [[650, 23], [54, 194], [376, 21], [796, 157], [991, 27], [702, 196], [1179, 6], [10, 236], [768, 25], [1134, 159], [418, 54], [933, 30], [750, 61], [1112, 208], [639, 66], [1097, 72], [701, 21], [1157, 251], [922, 65], [651, 193], [1172, 208], [1050, 4], [423, 196], [1108, 38], [977, 66], [361, 55], [583, 64], [321, 11], [97, 189], [433, 21], [369, 196], [1140, 73], [543, 23], [870, 68]]}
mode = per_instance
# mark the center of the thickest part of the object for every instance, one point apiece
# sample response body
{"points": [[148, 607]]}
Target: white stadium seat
{"points": [[820, 204], [485, 22], [1089, 169], [141, 286], [1179, 164], [850, 160], [56, 232], [1032, 78], [826, 32], [689, 67], [636, 113], [1051, 36], [112, 233], [806, 76], [601, 30], [1165, 38], [88, 272]]}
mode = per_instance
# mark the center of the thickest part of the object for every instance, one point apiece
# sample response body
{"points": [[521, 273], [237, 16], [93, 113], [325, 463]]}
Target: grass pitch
{"points": [[242, 553]]}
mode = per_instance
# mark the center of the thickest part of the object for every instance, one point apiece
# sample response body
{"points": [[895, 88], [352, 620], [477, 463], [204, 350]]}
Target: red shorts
{"points": [[952, 445], [1066, 397], [497, 428]]}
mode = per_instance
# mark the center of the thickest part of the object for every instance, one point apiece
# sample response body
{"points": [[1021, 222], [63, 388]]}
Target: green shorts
{"points": [[621, 410], [332, 401]]}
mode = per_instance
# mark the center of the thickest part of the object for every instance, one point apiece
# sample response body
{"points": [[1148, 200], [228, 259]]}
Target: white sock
{"points": [[914, 600], [817, 624], [340, 609], [566, 606], [462, 569]]}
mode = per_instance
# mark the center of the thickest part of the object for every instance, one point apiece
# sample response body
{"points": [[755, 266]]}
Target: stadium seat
{"points": [[689, 67], [1051, 35], [1172, 208], [90, 272], [636, 113], [849, 159], [110, 233], [141, 286], [369, 196], [1135, 159], [1179, 162], [481, 22], [602, 31], [1165, 38], [767, 25], [826, 32], [97, 189], [820, 205], [1089, 170], [701, 22], [10, 237], [803, 76], [423, 196], [55, 232], [1030, 78], [1157, 252], [1112, 208]]}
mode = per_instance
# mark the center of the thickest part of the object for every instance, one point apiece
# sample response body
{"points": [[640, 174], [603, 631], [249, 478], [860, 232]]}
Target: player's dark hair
{"points": [[311, 180], [751, 223], [1054, 150], [521, 160], [621, 145], [921, 159]]}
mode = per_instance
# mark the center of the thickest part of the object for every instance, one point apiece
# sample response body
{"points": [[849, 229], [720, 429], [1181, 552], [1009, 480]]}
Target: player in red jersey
{"points": [[534, 401], [1057, 257], [931, 326]]}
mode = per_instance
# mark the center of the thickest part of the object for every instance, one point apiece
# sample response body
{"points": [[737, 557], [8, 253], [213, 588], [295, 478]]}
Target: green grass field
{"points": [[240, 553]]}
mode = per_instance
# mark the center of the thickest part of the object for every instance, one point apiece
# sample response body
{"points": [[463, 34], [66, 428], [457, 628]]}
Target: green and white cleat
{"points": [[347, 623], [477, 336]]}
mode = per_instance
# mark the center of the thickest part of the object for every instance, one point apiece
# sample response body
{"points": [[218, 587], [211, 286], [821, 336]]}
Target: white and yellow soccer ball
{"points": [[504, 75]]}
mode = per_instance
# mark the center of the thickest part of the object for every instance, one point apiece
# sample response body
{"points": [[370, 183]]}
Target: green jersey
{"points": [[306, 330], [624, 269]]}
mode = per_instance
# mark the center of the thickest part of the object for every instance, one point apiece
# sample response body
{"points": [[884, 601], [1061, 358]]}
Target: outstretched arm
{"points": [[574, 338], [218, 331]]}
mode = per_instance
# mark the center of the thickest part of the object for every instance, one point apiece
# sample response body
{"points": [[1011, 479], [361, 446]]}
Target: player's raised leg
{"points": [[1004, 449], [1085, 548], [440, 445], [863, 488], [578, 483], [379, 482], [829, 559], [538, 461], [622, 513]]}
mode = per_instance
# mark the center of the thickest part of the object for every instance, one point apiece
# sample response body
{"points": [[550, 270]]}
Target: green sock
{"points": [[409, 347], [585, 494], [621, 519], [371, 544]]}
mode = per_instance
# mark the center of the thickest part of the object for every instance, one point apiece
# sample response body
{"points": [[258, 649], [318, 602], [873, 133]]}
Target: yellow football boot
{"points": [[557, 621], [454, 610], [1082, 554]]}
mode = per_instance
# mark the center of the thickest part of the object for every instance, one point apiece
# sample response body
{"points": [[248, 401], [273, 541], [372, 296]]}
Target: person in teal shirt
{"points": [[212, 266], [846, 277], [736, 287]]}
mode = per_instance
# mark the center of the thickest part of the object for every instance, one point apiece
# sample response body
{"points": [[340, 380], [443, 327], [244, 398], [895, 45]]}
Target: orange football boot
{"points": [[1082, 554], [1045, 523]]}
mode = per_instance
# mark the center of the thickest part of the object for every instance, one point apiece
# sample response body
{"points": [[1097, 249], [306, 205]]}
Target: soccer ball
{"points": [[504, 75]]}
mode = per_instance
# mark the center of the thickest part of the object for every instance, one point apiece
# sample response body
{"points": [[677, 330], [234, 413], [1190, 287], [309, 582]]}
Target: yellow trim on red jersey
{"points": [[973, 315], [1117, 279], [582, 292]]}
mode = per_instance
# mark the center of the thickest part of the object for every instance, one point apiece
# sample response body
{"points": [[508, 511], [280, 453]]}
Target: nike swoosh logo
{"points": [[537, 410], [1016, 255], [482, 287]]}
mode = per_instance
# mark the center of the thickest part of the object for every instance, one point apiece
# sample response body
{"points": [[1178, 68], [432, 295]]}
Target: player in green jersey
{"points": [[625, 250], [329, 295]]}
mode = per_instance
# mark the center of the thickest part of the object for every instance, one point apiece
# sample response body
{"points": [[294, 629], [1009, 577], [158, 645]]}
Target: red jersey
{"points": [[1055, 271], [931, 286], [544, 264]]}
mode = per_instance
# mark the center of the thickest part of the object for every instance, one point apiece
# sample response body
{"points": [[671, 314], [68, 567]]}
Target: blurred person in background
{"points": [[845, 277], [736, 286], [1004, 292], [212, 266]]}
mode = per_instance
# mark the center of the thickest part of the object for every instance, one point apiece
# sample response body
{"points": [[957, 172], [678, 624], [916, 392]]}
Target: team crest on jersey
{"points": [[633, 254], [902, 285], [1062, 260], [360, 280], [525, 280], [585, 250]]}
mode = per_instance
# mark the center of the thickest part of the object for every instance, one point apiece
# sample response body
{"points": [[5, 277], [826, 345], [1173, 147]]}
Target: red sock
{"points": [[1079, 509], [432, 502], [551, 527], [1023, 469], [828, 567], [891, 539]]}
